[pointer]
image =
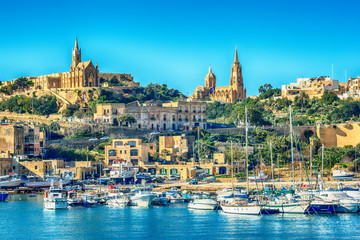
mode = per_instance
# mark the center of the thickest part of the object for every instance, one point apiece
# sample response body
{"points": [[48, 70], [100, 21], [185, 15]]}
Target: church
{"points": [[81, 75], [235, 91]]}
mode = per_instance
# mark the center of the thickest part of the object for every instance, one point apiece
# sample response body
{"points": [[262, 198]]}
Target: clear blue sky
{"points": [[174, 42]]}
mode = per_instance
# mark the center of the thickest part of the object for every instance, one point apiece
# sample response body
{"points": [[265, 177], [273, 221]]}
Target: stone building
{"points": [[313, 87], [181, 145], [156, 115], [11, 139], [229, 94], [81, 75], [37, 168], [131, 149]]}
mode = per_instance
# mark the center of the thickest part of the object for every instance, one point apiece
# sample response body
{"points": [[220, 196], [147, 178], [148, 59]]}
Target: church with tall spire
{"points": [[81, 75], [229, 94]]}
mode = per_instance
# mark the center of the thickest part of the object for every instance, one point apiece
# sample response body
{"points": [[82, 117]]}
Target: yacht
{"points": [[55, 198], [342, 175], [288, 204], [345, 203], [204, 202], [118, 200], [318, 205], [240, 206], [10, 181], [141, 196], [227, 193]]}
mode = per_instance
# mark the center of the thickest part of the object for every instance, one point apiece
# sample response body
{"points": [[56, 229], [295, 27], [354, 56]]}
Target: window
{"points": [[112, 153], [104, 112], [36, 167], [132, 143], [151, 147], [6, 131], [118, 143], [134, 152], [107, 111], [120, 151]]}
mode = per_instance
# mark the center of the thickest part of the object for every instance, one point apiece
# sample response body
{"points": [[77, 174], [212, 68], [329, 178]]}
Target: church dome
{"points": [[210, 75]]}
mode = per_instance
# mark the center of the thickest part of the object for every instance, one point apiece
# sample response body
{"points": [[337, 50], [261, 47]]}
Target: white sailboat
{"points": [[241, 205]]}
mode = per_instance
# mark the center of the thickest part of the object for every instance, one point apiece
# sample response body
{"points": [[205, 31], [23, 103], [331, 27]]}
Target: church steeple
{"points": [[236, 59], [76, 44], [76, 55]]}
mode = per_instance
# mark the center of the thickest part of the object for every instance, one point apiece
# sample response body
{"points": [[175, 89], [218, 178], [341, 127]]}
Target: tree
{"points": [[126, 120], [329, 97], [264, 88], [302, 100]]}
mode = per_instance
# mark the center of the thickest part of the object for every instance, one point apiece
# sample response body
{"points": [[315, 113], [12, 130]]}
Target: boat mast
{"points": [[322, 162], [232, 168], [272, 166], [292, 149], [246, 151]]}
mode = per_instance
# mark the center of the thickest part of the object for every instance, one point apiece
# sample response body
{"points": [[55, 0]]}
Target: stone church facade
{"points": [[81, 75], [230, 94]]}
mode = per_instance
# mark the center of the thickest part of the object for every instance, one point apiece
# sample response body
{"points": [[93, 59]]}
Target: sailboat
{"points": [[241, 205], [290, 203]]}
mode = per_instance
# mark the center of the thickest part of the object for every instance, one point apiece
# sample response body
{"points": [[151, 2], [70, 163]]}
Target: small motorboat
{"points": [[342, 175], [261, 177]]}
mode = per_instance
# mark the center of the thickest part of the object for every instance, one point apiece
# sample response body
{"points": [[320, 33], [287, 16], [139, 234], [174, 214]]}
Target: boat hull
{"points": [[10, 184], [3, 196], [347, 208], [345, 178], [243, 210], [55, 204], [142, 200], [297, 208], [202, 206]]}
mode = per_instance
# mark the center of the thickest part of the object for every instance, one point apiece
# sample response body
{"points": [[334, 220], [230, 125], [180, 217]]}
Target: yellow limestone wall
{"points": [[339, 135]]}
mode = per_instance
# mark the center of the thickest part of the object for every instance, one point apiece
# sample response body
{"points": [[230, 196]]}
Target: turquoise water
{"points": [[26, 219]]}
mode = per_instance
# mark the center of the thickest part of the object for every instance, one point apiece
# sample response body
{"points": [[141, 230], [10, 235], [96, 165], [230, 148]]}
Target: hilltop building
{"points": [[81, 75], [235, 91], [313, 87]]}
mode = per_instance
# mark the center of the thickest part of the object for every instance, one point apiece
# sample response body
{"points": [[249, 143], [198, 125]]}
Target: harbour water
{"points": [[24, 218]]}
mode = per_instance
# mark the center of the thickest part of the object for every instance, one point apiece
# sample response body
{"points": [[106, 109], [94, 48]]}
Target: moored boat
{"points": [[342, 175], [55, 198], [203, 204], [9, 181], [141, 196], [3, 196]]}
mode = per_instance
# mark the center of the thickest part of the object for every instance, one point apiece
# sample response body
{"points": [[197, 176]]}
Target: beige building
{"points": [[5, 165], [229, 94], [156, 115], [352, 89], [131, 149], [37, 168], [81, 74], [180, 145], [313, 87], [11, 139]]}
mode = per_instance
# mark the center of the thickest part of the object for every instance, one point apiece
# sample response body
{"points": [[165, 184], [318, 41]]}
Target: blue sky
{"points": [[174, 42]]}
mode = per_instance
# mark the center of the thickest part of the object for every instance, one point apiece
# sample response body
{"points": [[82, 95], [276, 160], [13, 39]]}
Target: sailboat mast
{"points": [[246, 151], [232, 168], [322, 162], [272, 165], [292, 149]]}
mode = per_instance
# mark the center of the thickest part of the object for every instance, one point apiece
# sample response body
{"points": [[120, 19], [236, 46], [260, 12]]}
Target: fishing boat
{"points": [[342, 175], [3, 196], [160, 200], [123, 171], [9, 181], [73, 199], [55, 198], [141, 196]]}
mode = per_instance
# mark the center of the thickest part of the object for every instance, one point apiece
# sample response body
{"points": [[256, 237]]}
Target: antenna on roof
{"points": [[332, 71]]}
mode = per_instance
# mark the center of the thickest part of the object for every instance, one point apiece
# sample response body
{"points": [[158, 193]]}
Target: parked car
{"points": [[174, 177], [93, 139], [155, 132], [193, 182], [105, 138]]}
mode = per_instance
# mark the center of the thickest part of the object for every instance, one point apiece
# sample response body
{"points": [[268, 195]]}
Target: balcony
{"points": [[180, 110]]}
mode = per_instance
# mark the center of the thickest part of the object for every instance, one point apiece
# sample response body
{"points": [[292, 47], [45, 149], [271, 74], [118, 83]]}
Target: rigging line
{"points": [[302, 155]]}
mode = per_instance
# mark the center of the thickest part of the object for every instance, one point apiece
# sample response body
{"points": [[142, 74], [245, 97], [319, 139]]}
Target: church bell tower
{"points": [[76, 55]]}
